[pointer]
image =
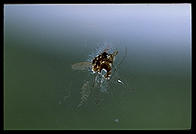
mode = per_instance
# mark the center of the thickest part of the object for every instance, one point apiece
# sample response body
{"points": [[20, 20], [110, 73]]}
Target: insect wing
{"points": [[81, 66]]}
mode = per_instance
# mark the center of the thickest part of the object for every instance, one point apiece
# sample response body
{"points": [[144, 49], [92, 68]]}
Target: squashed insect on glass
{"points": [[103, 69]]}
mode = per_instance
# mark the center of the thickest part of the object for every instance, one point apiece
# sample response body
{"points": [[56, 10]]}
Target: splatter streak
{"points": [[85, 93]]}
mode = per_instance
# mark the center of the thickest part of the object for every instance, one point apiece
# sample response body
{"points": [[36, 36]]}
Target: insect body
{"points": [[104, 61]]}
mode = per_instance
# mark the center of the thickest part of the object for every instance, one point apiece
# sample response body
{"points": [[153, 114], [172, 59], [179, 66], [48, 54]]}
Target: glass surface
{"points": [[43, 82]]}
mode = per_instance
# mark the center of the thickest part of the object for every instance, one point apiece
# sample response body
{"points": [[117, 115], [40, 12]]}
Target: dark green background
{"points": [[42, 41]]}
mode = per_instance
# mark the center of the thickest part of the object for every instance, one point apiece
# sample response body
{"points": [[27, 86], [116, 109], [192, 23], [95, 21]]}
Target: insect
{"points": [[103, 70]]}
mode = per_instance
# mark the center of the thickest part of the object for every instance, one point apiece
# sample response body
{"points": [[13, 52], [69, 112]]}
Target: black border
{"points": [[91, 1]]}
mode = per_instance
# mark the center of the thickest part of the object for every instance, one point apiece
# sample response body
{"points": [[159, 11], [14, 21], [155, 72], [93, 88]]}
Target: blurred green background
{"points": [[41, 42]]}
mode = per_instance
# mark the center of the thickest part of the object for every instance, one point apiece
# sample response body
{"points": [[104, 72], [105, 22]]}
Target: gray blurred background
{"points": [[41, 42]]}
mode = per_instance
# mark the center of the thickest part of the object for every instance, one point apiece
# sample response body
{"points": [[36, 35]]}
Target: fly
{"points": [[103, 69]]}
